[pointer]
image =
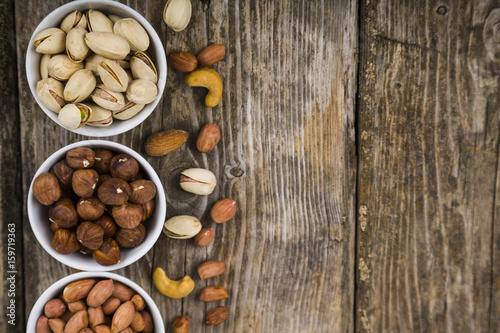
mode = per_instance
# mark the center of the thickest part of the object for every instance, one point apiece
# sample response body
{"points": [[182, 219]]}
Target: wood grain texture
{"points": [[287, 156], [428, 168]]}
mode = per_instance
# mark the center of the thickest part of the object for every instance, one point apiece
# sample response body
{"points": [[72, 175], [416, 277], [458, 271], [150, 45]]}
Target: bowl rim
{"points": [[71, 260], [161, 65], [53, 290]]}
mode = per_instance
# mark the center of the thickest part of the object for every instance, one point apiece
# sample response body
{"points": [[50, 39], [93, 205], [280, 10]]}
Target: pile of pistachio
{"points": [[94, 68]]}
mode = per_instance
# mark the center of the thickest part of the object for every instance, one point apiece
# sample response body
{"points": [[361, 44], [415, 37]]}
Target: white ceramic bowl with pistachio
{"points": [[97, 68]]}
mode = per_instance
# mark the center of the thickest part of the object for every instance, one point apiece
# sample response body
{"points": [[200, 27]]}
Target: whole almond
{"points": [[122, 292], [223, 210], [54, 308], [57, 325], [148, 322], [123, 317], [180, 325], [86, 330], [102, 329], [77, 306], [211, 268], [96, 316], [67, 316], [109, 307], [213, 293], [217, 316], [138, 301], [42, 325], [204, 237], [137, 324], [212, 54], [208, 138], [165, 142], [77, 290], [100, 293], [77, 323], [183, 61]]}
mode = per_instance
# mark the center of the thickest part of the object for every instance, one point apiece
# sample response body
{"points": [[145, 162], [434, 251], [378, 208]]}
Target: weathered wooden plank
{"points": [[429, 130]]}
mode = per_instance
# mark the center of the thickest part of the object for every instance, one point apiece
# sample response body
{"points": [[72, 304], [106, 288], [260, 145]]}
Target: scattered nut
{"points": [[213, 294], [180, 325], [177, 14], [198, 181], [223, 210], [183, 61], [217, 316], [211, 268], [208, 138], [170, 288], [182, 227], [206, 78], [204, 237], [46, 189], [165, 142], [212, 54]]}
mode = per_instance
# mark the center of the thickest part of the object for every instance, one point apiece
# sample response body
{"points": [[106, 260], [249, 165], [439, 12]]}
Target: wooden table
{"points": [[360, 140]]}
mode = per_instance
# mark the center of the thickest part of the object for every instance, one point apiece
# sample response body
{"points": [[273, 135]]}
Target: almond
{"points": [[86, 330], [122, 292], [138, 301], [100, 293], [123, 317], [223, 210], [213, 293], [57, 325], [217, 316], [77, 323], [211, 268], [77, 290], [212, 54], [42, 325], [183, 61], [208, 138], [165, 142], [102, 329], [96, 316], [180, 325], [54, 308], [137, 324], [204, 237], [77, 306], [109, 307], [148, 322]]}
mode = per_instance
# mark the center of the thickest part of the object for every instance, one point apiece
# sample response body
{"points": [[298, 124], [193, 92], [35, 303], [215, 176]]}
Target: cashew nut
{"points": [[207, 78], [172, 289]]}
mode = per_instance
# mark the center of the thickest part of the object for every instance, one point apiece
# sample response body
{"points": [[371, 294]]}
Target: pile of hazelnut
{"points": [[98, 202]]}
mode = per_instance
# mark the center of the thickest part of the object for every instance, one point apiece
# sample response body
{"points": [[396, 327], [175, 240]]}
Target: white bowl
{"points": [[39, 220], [156, 51], [54, 290]]}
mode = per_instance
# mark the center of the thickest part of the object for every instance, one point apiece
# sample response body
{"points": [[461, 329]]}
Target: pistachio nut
{"points": [[142, 91], [114, 18], [177, 14], [130, 76], [92, 61], [133, 32], [108, 45], [44, 62], [98, 22], [107, 98], [182, 227], [128, 111], [76, 48], [100, 116], [50, 93], [198, 181], [80, 85], [61, 67], [73, 20], [73, 116], [50, 41], [112, 75], [143, 68]]}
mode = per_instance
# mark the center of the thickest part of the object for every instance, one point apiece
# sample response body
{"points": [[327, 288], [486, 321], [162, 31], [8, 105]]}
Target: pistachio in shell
{"points": [[128, 111], [177, 14], [133, 32], [51, 92], [198, 181], [107, 98], [98, 22], [114, 18], [80, 85], [142, 91], [143, 68], [100, 116], [182, 227], [44, 69], [73, 116], [50, 41], [61, 67], [112, 75], [76, 48], [92, 61], [74, 20], [108, 45]]}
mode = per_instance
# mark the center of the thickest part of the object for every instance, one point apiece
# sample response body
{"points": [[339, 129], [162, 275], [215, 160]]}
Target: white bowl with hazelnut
{"points": [[82, 43], [96, 205], [94, 305]]}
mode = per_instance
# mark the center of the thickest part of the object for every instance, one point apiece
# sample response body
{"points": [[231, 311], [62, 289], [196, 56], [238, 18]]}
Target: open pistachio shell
{"points": [[50, 41], [142, 91], [182, 227], [128, 111], [92, 61], [198, 181], [61, 67], [76, 48], [44, 69], [73, 116], [73, 20], [97, 21], [133, 32], [107, 98], [108, 45], [50, 93], [100, 117], [143, 68], [114, 18], [113, 76], [80, 85]]}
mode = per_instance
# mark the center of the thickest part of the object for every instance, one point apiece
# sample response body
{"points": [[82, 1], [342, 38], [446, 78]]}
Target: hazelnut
{"points": [[104, 177], [85, 182], [114, 191], [80, 158], [63, 213], [102, 160], [46, 189], [63, 173], [130, 238], [138, 176], [90, 209], [148, 209], [65, 241], [53, 227], [86, 251], [108, 254], [107, 224], [90, 235], [124, 166], [142, 191], [128, 215]]}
